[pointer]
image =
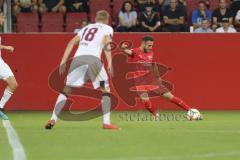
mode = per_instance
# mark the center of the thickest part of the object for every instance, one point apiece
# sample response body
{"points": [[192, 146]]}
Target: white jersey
{"points": [[0, 49], [91, 39]]}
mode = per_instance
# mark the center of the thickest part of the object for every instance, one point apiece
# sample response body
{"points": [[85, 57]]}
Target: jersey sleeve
{"points": [[133, 52], [108, 31], [80, 32]]}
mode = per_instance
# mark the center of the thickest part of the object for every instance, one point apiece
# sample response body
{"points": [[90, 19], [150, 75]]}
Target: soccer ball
{"points": [[194, 114]]}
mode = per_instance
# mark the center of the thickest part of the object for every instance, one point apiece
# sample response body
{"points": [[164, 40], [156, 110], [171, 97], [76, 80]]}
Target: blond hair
{"points": [[102, 15]]}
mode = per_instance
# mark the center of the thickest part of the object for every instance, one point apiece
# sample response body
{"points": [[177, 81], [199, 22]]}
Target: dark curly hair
{"points": [[123, 6]]}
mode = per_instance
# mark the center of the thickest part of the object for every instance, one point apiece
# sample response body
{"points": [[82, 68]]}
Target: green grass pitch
{"points": [[217, 137]]}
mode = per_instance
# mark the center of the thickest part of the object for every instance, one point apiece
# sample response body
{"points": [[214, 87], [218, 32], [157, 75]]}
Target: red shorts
{"points": [[146, 81], [151, 85]]}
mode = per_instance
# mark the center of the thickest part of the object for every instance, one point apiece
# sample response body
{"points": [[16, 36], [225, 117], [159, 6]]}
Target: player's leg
{"points": [[98, 75], [106, 108], [7, 75], [11, 87], [60, 102], [148, 105], [179, 102], [75, 78], [59, 105]]}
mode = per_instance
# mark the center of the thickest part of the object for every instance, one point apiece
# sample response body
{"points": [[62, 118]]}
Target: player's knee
{"points": [[144, 97], [106, 90], [67, 90], [168, 95], [12, 83], [13, 86]]}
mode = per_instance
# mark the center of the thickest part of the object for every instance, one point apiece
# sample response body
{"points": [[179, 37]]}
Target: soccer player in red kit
{"points": [[144, 55]]}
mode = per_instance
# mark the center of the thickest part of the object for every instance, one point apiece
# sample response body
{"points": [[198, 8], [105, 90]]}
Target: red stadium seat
{"points": [[52, 22], [99, 5], [74, 20], [214, 4], [27, 22], [191, 5]]}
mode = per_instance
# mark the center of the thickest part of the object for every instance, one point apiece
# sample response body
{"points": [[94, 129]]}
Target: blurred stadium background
{"points": [[21, 19]]}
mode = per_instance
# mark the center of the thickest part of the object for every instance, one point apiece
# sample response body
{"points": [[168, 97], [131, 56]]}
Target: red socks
{"points": [[180, 103], [148, 105]]}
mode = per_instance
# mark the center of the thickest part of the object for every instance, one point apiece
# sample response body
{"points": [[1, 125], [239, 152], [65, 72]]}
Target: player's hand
{"points": [[124, 46], [9, 48], [62, 68]]}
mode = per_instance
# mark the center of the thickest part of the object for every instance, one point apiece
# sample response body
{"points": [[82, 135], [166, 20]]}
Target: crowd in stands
{"points": [[147, 15]]}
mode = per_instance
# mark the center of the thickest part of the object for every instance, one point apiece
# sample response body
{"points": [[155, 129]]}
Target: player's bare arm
{"points": [[9, 48], [68, 50], [125, 49], [107, 50]]}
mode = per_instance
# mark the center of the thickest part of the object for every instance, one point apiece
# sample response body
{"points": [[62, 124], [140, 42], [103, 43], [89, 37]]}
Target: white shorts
{"points": [[78, 75], [5, 70]]}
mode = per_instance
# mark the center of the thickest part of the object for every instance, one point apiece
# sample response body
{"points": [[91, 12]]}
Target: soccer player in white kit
{"points": [[6, 75], [92, 39]]}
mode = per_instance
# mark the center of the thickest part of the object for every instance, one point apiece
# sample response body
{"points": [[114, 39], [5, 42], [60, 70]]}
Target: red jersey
{"points": [[145, 60], [141, 57]]}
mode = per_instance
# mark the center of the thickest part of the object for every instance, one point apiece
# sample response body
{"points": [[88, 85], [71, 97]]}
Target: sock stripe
{"points": [[8, 91], [106, 94], [63, 93]]}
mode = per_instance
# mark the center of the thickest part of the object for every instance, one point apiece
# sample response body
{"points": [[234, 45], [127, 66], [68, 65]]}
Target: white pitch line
{"points": [[18, 150], [179, 157], [213, 131]]}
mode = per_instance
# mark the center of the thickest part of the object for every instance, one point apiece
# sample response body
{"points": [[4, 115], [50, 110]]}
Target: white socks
{"points": [[60, 103], [106, 106], [6, 96]]}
